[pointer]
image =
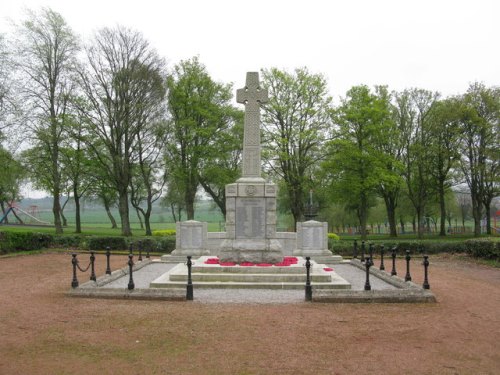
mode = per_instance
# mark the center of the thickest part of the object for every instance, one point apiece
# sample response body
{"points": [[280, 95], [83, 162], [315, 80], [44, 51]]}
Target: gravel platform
{"points": [[145, 275]]}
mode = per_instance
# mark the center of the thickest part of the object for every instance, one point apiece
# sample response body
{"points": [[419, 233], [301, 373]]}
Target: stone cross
{"points": [[252, 95]]}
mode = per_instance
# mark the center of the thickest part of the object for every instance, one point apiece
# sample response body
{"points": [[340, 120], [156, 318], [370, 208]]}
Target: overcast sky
{"points": [[440, 45]]}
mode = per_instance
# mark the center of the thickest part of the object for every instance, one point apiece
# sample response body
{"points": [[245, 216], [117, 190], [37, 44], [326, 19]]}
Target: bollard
{"points": [[140, 251], [74, 262], [426, 285], [92, 270], [108, 254], [131, 284], [408, 258], [393, 272], [308, 279], [370, 250], [382, 267], [368, 264], [362, 251], [189, 286], [355, 250]]}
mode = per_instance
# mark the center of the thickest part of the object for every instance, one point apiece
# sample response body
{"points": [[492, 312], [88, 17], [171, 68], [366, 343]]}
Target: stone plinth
{"points": [[191, 238], [251, 224], [312, 239]]}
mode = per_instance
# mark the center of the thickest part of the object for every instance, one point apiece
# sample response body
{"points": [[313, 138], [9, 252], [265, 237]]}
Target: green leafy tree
{"points": [[5, 82], [124, 92], [414, 118], [443, 145], [45, 58], [479, 129], [355, 165], [295, 124], [201, 118], [223, 167], [12, 174], [148, 177]]}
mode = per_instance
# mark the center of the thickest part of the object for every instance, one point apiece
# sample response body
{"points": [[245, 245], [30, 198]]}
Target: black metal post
{"points": [[368, 264], [370, 250], [382, 267], [308, 279], [147, 252], [393, 272], [74, 261], [189, 286], [362, 251], [131, 284], [355, 250], [408, 258], [140, 251], [426, 285], [108, 254], [131, 247], [92, 270]]}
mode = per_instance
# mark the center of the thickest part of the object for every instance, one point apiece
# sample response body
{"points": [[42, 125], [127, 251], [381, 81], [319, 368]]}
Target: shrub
{"points": [[23, 241], [101, 243], [333, 236], [483, 248], [166, 245], [145, 244], [73, 241], [164, 233]]}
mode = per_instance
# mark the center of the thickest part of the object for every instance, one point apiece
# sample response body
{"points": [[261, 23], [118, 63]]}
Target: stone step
{"points": [[251, 277], [241, 285]]}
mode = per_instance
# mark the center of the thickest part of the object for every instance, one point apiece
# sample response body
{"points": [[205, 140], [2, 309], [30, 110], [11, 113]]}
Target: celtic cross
{"points": [[252, 95]]}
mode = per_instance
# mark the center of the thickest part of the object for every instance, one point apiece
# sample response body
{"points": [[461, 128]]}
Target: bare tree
{"points": [[45, 57], [123, 84]]}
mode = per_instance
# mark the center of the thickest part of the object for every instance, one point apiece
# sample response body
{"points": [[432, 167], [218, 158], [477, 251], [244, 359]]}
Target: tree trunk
{"points": [[6, 219], [172, 209], [110, 215], [189, 198], [402, 223], [56, 210], [390, 207], [488, 216], [138, 212], [442, 209], [363, 216], [147, 220], [123, 209], [78, 221], [420, 225], [476, 213]]}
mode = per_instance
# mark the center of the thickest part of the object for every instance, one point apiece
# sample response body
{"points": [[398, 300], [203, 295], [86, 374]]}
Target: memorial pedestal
{"points": [[251, 224]]}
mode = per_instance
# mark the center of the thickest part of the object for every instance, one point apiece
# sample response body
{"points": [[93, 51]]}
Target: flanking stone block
{"points": [[312, 239], [191, 238]]}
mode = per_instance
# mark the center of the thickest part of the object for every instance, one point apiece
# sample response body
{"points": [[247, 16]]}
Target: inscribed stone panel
{"points": [[250, 218]]}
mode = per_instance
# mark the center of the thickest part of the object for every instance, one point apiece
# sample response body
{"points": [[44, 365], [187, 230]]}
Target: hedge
{"points": [[346, 247], [483, 248], [11, 242]]}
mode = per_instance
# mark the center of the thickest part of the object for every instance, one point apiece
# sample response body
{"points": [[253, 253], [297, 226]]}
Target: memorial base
{"points": [[253, 251]]}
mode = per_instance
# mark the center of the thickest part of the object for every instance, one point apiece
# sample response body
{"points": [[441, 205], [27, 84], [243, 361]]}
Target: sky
{"points": [[439, 45]]}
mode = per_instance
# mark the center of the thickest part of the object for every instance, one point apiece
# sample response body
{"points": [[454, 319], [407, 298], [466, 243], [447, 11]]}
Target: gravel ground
{"points": [[352, 274]]}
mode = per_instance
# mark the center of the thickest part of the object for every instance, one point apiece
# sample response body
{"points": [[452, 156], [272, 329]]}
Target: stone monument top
{"points": [[252, 95], [251, 201]]}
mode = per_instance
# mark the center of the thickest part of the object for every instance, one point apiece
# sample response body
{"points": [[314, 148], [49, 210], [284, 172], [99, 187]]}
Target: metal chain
{"points": [[85, 270]]}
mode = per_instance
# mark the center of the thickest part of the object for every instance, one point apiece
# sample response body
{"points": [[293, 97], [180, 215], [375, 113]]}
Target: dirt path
{"points": [[45, 332]]}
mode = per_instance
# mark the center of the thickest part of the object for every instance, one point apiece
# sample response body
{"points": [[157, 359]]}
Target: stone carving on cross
{"points": [[252, 95]]}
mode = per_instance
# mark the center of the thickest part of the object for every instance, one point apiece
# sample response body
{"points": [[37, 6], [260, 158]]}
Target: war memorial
{"points": [[251, 254]]}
